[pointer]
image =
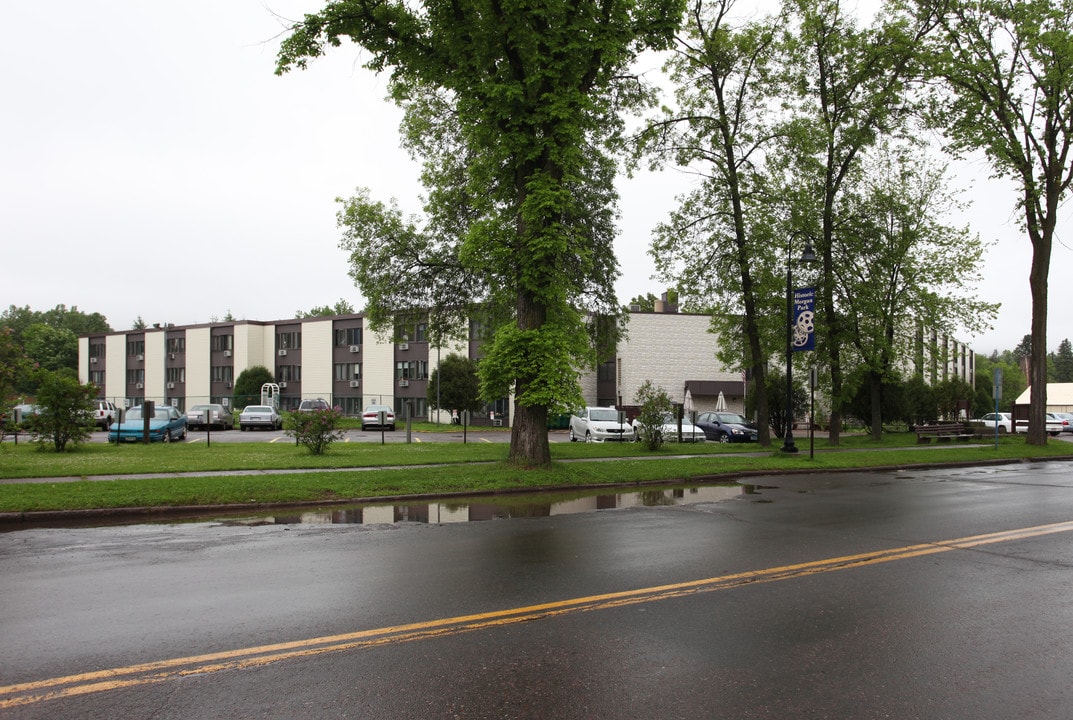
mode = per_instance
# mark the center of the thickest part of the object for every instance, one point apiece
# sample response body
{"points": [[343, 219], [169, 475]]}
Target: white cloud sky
{"points": [[145, 143]]}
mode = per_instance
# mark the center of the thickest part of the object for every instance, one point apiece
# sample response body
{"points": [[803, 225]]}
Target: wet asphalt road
{"points": [[924, 594]]}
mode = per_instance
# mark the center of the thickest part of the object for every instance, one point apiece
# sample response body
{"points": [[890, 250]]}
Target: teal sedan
{"points": [[167, 424]]}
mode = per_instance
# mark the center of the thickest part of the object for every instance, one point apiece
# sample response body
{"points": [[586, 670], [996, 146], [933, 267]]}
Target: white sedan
{"points": [[669, 430], [600, 424], [259, 416]]}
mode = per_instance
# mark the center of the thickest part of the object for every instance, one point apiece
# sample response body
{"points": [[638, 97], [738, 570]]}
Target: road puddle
{"points": [[444, 511]]}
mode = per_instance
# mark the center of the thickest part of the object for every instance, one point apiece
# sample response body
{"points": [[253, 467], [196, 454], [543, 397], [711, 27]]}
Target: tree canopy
{"points": [[511, 107]]}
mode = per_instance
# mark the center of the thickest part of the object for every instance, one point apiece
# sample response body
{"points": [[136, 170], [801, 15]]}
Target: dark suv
{"points": [[103, 412]]}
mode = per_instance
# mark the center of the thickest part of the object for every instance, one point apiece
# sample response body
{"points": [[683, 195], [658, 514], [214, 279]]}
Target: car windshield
{"points": [[377, 408], [158, 414], [604, 414], [731, 418]]}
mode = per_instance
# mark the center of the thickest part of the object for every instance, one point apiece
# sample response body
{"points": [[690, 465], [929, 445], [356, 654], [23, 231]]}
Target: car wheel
{"points": [[572, 438], [588, 436], [167, 436], [724, 438]]}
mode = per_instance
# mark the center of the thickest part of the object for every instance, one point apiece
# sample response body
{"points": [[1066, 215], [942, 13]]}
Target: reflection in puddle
{"points": [[520, 506]]}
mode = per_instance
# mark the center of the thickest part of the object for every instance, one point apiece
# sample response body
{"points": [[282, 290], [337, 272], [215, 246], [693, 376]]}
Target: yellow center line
{"points": [[148, 673]]}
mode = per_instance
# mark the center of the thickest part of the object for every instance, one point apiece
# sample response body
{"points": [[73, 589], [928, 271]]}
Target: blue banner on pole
{"points": [[804, 331]]}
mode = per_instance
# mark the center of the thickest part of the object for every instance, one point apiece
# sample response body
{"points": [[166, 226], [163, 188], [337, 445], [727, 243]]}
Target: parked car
{"points": [[260, 416], [726, 427], [197, 417], [104, 412], [1054, 425], [167, 424], [370, 417], [1004, 421], [25, 410], [600, 424], [318, 404], [1067, 421], [669, 430]]}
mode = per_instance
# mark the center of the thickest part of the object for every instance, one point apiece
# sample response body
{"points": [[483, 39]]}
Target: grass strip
{"points": [[465, 477]]}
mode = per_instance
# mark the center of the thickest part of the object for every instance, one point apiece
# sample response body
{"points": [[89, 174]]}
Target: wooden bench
{"points": [[943, 432]]}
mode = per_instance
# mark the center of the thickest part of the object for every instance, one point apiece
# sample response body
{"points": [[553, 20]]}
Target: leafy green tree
{"points": [[949, 393], [50, 347], [342, 307], [645, 303], [912, 268], [50, 338], [1062, 361], [64, 416], [655, 403], [512, 107], [715, 242], [1008, 67], [454, 385], [920, 403], [247, 390], [849, 88]]}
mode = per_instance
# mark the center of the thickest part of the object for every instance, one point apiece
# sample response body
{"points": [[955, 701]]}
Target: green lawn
{"points": [[469, 468]]}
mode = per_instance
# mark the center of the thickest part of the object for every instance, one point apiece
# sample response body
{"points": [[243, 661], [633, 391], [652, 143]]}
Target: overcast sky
{"points": [[151, 164]]}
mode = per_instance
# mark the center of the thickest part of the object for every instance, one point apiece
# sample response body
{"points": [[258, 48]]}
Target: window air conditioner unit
{"points": [[282, 384], [228, 384], [93, 360], [282, 353], [404, 383], [171, 386], [355, 383], [172, 356], [227, 353], [139, 386], [404, 346], [141, 357], [355, 348]]}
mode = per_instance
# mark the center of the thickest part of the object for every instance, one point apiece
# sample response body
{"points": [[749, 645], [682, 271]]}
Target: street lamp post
{"points": [[807, 256]]}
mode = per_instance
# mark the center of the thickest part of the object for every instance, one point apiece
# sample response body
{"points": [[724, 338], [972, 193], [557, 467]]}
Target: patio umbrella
{"points": [[721, 402]]}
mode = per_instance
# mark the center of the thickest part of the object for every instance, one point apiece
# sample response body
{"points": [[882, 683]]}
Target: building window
{"points": [[222, 342], [97, 377], [135, 347], [418, 407], [345, 337], [289, 373], [421, 332], [411, 370], [348, 371], [289, 340], [606, 371], [223, 373], [135, 376], [350, 406], [96, 350], [177, 344], [175, 375]]}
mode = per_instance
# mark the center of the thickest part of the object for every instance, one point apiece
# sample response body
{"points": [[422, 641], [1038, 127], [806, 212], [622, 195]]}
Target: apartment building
{"points": [[339, 359]]}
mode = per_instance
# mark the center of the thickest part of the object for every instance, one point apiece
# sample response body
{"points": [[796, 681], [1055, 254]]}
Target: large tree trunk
{"points": [[529, 427], [875, 391], [1037, 280]]}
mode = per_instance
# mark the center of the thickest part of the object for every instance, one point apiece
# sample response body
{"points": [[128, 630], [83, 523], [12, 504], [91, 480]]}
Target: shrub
{"points": [[316, 429], [64, 417], [655, 403]]}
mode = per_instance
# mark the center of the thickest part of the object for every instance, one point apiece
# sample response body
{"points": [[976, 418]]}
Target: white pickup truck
{"points": [[1054, 425]]}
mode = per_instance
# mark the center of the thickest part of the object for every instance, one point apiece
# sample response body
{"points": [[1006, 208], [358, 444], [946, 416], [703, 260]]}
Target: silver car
{"points": [[199, 417], [259, 416]]}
